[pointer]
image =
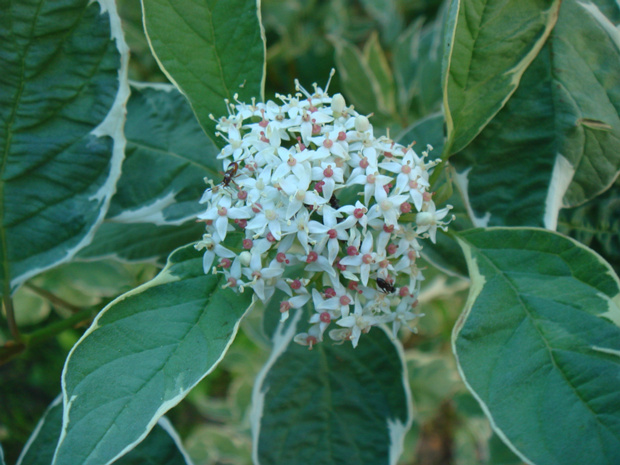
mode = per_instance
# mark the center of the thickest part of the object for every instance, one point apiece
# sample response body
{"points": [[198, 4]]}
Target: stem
{"points": [[437, 172], [43, 334], [12, 348], [54, 299], [10, 317]]}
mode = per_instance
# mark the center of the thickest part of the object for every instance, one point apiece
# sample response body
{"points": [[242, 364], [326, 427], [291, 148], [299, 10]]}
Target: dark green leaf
{"points": [[539, 153], [167, 158], [139, 242], [427, 131], [333, 404], [597, 224], [506, 171], [586, 71], [63, 89]]}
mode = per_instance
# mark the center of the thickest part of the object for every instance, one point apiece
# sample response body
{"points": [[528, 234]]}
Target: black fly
{"points": [[333, 201], [385, 286]]}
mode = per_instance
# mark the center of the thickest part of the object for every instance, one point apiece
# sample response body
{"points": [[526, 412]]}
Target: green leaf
{"points": [[168, 156], [359, 82], [387, 14], [161, 446], [1, 456], [62, 95], [489, 44], [537, 155], [538, 344], [417, 66], [597, 224], [378, 64], [140, 242], [586, 71], [505, 173], [427, 131], [210, 50], [142, 355], [351, 405]]}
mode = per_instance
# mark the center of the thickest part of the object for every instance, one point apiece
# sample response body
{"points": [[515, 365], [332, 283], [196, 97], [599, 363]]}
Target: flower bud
{"points": [[361, 123], [245, 257], [338, 105]]}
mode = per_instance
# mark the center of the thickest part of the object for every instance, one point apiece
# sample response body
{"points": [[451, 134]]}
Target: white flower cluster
{"points": [[289, 169]]}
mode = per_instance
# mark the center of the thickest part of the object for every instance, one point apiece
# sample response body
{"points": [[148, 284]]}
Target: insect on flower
{"points": [[333, 202], [230, 173], [385, 286]]}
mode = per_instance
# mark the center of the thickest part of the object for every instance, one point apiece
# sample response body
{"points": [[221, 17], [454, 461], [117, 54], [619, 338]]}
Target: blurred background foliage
{"points": [[387, 54]]}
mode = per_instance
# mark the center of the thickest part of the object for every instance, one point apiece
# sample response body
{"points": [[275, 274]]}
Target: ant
{"points": [[385, 286], [230, 174]]}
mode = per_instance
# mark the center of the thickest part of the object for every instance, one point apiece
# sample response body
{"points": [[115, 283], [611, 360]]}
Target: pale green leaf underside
{"points": [[333, 404], [62, 105], [491, 44], [210, 49], [160, 447], [361, 86], [375, 56], [142, 355], [538, 344], [417, 60]]}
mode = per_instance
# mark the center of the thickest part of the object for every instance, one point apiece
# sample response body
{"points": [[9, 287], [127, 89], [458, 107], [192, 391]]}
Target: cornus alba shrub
{"points": [[309, 186]]}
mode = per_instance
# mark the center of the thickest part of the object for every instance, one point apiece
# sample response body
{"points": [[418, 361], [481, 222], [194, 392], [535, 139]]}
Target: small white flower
{"points": [[213, 249], [429, 220], [294, 302], [220, 215], [358, 322]]}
